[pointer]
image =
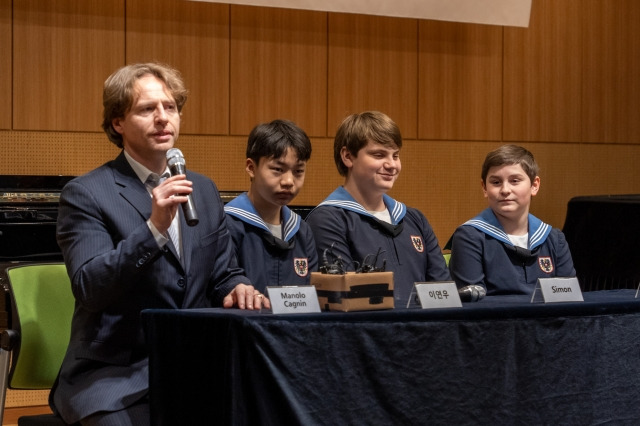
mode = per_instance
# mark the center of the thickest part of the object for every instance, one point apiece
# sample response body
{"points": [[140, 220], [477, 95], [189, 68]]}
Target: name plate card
{"points": [[293, 299], [438, 294], [559, 290]]}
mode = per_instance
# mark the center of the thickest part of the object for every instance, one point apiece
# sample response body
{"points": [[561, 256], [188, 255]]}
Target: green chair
{"points": [[33, 347], [447, 257]]}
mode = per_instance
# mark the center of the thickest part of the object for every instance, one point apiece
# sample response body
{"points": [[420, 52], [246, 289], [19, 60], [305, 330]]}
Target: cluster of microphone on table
{"points": [[469, 293]]}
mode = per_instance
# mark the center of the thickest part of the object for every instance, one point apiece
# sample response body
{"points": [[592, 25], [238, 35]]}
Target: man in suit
{"points": [[127, 247]]}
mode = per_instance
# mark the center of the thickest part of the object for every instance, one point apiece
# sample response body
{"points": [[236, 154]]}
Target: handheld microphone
{"points": [[472, 293], [176, 163]]}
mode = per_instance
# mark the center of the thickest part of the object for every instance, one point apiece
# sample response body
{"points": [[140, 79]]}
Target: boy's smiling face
{"points": [[375, 168]]}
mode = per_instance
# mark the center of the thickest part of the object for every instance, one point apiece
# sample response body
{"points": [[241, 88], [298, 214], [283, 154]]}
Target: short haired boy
{"points": [[273, 244], [358, 218], [505, 248]]}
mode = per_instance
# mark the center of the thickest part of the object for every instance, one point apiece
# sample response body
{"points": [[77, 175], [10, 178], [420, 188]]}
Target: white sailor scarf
{"points": [[341, 198], [241, 208], [489, 224]]}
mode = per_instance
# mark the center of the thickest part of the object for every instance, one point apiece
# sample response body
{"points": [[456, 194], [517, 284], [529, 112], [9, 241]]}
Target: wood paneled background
{"points": [[567, 87]]}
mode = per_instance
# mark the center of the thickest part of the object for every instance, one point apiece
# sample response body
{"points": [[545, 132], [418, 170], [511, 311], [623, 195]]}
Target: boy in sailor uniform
{"points": [[358, 219], [273, 244], [505, 248]]}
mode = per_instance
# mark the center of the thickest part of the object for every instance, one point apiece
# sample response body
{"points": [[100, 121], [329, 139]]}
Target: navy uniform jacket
{"points": [[268, 260], [482, 254], [409, 246], [117, 270]]}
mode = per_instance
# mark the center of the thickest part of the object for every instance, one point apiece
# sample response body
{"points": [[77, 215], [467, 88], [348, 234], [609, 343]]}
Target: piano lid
{"points": [[31, 189]]}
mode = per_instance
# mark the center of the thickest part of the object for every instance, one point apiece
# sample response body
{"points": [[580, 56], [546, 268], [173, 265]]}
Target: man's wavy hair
{"points": [[119, 93]]}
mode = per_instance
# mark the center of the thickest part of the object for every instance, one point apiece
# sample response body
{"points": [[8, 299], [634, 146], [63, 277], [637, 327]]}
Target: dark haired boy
{"points": [[273, 244]]}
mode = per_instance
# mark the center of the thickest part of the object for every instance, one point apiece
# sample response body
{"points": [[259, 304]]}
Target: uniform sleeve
{"points": [[329, 228], [310, 247], [436, 266], [564, 261], [467, 257], [236, 231], [226, 272]]}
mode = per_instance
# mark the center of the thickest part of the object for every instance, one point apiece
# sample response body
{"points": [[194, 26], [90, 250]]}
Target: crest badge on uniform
{"points": [[545, 264], [301, 266], [417, 243]]}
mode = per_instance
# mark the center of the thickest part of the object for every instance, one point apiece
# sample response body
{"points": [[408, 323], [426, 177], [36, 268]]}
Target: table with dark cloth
{"points": [[502, 361]]}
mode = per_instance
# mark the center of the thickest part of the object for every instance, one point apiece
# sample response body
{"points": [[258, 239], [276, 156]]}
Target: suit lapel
{"points": [[134, 191], [131, 189]]}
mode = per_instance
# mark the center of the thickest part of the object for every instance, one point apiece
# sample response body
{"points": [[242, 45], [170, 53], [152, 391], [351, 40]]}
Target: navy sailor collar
{"points": [[341, 198], [242, 208], [488, 223]]}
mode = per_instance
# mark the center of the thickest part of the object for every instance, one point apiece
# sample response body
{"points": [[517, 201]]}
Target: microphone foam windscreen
{"points": [[174, 156]]}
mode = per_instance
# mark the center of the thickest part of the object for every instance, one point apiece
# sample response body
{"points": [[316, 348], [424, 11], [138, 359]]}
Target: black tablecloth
{"points": [[499, 361]]}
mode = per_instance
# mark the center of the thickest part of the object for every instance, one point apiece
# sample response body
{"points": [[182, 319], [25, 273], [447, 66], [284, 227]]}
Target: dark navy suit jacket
{"points": [[117, 270]]}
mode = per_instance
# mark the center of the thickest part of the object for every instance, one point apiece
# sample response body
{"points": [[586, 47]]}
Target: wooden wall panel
{"points": [[576, 169], [54, 153], [278, 68], [460, 81], [543, 74], [373, 65], [194, 38], [442, 178], [5, 64], [570, 78], [611, 67], [63, 51], [223, 160]]}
